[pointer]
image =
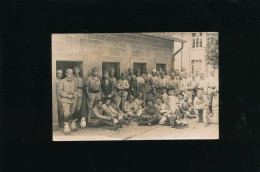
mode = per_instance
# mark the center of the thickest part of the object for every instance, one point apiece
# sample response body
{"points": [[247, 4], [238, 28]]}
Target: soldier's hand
{"points": [[70, 96]]}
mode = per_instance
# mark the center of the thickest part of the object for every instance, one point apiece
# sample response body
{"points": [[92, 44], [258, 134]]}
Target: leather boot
{"points": [[74, 125], [66, 129]]}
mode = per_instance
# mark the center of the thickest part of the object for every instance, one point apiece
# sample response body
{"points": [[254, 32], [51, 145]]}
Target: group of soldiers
{"points": [[158, 98]]}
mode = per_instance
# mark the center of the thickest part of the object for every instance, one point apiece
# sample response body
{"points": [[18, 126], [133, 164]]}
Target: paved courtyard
{"points": [[193, 130]]}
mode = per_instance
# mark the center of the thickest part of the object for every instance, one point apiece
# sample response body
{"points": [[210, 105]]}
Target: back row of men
{"points": [[137, 88]]}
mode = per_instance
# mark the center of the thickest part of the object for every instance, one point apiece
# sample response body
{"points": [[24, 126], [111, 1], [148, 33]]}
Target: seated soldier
{"points": [[139, 100], [115, 106], [201, 106], [174, 116], [150, 115], [186, 108], [100, 118], [109, 110], [132, 109]]}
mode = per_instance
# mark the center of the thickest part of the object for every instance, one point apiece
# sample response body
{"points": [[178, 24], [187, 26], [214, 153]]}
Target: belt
{"points": [[200, 88], [94, 91], [79, 87]]}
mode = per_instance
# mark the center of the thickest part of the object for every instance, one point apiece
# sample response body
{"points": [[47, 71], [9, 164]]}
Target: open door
{"points": [[107, 66], [140, 66]]}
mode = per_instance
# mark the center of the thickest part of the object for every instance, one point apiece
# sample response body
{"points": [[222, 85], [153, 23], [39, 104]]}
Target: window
{"points": [[196, 66], [197, 40]]}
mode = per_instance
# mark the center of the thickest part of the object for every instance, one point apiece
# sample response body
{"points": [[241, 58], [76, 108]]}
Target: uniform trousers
{"points": [[92, 101], [68, 110]]}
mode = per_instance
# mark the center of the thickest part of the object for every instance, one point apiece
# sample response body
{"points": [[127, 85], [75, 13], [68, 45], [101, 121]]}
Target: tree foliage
{"points": [[212, 50]]}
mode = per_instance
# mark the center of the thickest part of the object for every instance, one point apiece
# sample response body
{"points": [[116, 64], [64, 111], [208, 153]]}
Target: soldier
{"points": [[168, 75], [122, 87], [132, 82], [114, 82], [162, 83], [140, 84], [78, 80], [60, 113], [201, 106], [93, 89], [177, 74], [107, 86], [150, 115], [147, 87], [100, 118], [118, 118], [210, 89], [173, 85], [132, 109], [68, 98]]}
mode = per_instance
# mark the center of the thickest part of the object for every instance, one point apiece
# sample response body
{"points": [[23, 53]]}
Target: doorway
{"points": [[139, 66], [107, 66], [64, 65], [163, 66]]}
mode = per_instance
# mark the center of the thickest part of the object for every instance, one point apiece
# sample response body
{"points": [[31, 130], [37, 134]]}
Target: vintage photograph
{"points": [[135, 86]]}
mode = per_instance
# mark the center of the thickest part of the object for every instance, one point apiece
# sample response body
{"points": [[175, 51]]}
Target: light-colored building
{"points": [[192, 56]]}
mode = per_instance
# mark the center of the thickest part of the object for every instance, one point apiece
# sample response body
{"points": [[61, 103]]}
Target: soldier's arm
{"points": [[60, 89], [87, 86], [97, 114]]}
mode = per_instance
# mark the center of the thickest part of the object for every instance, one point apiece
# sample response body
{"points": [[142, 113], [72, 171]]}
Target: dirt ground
{"points": [[192, 130]]}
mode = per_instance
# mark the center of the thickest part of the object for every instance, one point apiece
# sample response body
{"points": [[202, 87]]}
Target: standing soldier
{"points": [[132, 82], [123, 86], [177, 74], [173, 85], [146, 77], [162, 83], [153, 82], [60, 114], [140, 84], [114, 82], [68, 98], [78, 81], [210, 88], [168, 75], [107, 86], [93, 89], [201, 106]]}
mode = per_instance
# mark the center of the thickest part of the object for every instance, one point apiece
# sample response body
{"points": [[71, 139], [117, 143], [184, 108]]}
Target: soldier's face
{"points": [[59, 75], [145, 70], [123, 77], [69, 74], [99, 104], [185, 99], [95, 73], [200, 94], [115, 99], [172, 76], [153, 73], [76, 71], [108, 102], [130, 99], [162, 75], [138, 74], [105, 75], [150, 103]]}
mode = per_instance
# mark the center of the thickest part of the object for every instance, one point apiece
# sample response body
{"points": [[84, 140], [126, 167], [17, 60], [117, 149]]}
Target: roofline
{"points": [[165, 37]]}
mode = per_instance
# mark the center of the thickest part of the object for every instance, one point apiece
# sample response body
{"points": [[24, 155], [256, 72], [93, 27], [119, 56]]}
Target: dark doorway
{"points": [[109, 65], [139, 66], [163, 66], [64, 65]]}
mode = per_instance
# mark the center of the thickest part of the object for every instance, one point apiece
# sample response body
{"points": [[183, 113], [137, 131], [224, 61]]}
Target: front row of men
{"points": [[147, 99]]}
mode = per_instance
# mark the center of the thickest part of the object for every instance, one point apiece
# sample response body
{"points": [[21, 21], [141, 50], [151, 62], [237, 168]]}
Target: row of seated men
{"points": [[144, 93]]}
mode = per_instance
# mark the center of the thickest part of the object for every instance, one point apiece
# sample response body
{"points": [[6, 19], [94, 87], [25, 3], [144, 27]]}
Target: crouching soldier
{"points": [[150, 115], [68, 99], [201, 106], [132, 109], [187, 108], [118, 118], [100, 118]]}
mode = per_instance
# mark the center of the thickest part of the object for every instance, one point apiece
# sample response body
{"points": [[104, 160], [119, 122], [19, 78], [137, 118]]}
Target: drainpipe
{"points": [[174, 54]]}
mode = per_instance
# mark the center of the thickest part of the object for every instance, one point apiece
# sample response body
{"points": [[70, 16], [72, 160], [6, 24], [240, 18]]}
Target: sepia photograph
{"points": [[135, 86]]}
